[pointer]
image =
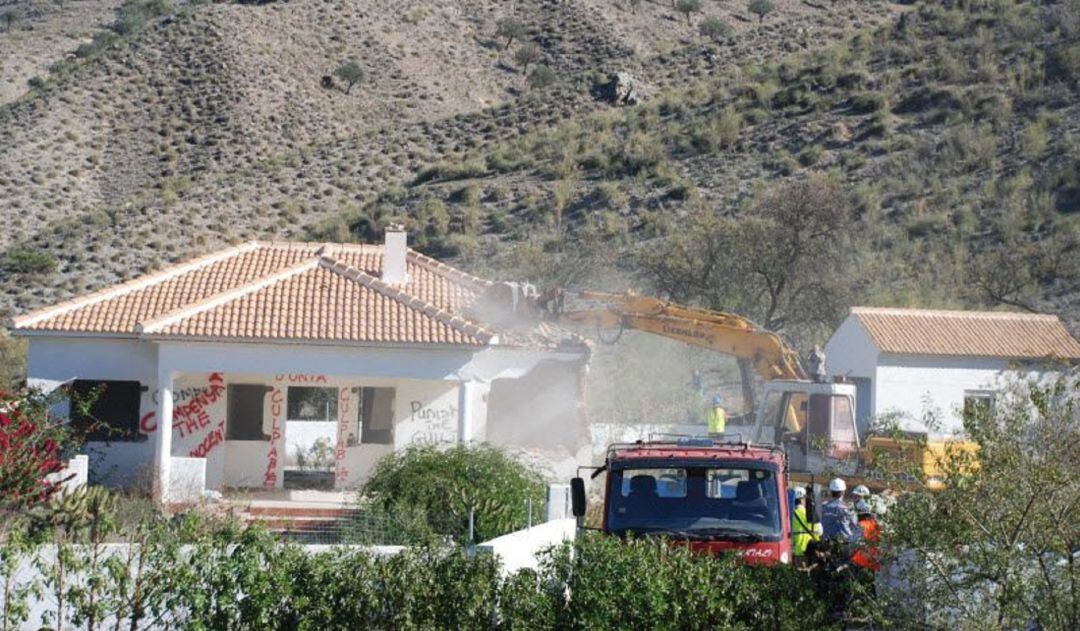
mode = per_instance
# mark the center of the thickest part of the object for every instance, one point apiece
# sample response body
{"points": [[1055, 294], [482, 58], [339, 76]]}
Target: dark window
{"points": [[377, 415], [978, 403], [312, 404], [244, 418], [107, 410]]}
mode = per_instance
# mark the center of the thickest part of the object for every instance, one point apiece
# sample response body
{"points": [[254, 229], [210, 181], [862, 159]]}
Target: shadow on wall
{"points": [[539, 410]]}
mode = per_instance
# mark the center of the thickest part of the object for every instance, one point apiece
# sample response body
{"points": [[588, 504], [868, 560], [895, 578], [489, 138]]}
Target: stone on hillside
{"points": [[623, 89]]}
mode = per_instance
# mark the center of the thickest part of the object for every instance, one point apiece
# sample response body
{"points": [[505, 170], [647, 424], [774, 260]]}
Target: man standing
{"points": [[867, 556], [801, 531], [837, 520], [716, 417]]}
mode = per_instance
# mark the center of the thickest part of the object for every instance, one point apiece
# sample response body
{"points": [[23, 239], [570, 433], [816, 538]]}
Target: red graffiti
{"points": [[301, 378], [148, 423], [209, 442], [341, 474], [192, 416], [270, 478]]}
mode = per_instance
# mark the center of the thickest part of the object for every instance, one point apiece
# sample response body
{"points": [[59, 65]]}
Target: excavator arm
{"points": [[715, 330]]}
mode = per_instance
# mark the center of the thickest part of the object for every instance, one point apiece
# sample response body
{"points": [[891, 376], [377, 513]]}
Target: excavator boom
{"points": [[715, 330]]}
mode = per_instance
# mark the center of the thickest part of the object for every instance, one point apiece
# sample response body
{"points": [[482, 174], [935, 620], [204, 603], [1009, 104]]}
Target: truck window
{"points": [[695, 502], [844, 440], [664, 482]]}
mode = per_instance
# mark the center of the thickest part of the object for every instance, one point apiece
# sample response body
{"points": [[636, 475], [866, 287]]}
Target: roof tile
{"points": [[972, 333]]}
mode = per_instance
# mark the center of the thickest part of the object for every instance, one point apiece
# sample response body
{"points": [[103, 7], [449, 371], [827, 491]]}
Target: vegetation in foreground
{"points": [[996, 549]]}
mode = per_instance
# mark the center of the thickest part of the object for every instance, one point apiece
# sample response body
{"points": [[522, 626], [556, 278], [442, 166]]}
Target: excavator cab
{"points": [[814, 423]]}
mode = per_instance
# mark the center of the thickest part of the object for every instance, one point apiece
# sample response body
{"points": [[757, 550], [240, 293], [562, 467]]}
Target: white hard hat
{"points": [[860, 491], [836, 484], [800, 492]]}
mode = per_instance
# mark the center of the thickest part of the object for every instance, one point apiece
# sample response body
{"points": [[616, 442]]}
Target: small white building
{"points": [[915, 361], [226, 371]]}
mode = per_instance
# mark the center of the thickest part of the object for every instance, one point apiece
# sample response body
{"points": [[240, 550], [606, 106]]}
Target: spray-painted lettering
{"points": [[341, 473], [439, 422], [209, 442], [276, 398], [300, 378]]}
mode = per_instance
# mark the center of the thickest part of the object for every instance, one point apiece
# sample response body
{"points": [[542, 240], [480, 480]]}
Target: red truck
{"points": [[715, 496]]}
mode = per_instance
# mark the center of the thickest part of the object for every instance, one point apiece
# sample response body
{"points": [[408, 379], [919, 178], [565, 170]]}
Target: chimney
{"points": [[394, 270]]}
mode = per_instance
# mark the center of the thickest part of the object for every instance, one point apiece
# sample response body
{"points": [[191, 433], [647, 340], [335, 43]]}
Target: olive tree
{"points": [[761, 8], [351, 73], [510, 29], [526, 54], [715, 29], [786, 263], [688, 8]]}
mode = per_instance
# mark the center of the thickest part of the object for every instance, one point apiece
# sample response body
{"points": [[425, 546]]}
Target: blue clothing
{"points": [[839, 522]]}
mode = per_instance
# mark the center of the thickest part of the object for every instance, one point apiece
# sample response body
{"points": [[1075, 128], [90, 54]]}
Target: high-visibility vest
{"points": [[868, 556], [717, 419], [800, 531]]}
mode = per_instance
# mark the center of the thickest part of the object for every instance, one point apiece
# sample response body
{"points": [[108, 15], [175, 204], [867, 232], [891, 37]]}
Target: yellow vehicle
{"points": [[812, 420]]}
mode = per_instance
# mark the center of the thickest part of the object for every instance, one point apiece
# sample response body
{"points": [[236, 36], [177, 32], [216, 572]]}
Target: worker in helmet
{"points": [[867, 556], [837, 520], [716, 418], [801, 531], [861, 493]]}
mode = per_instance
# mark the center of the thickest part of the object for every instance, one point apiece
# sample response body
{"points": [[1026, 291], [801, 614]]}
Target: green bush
{"points": [[447, 483], [26, 261]]}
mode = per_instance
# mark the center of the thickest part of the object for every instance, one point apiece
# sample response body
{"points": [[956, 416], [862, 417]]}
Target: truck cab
{"points": [[814, 423], [717, 497]]}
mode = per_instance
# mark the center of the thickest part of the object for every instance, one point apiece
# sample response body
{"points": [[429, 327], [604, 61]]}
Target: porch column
{"points": [[163, 435], [465, 411], [472, 410]]}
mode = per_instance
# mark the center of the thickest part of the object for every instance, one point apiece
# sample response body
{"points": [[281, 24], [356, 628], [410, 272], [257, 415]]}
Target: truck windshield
{"points": [[696, 502]]}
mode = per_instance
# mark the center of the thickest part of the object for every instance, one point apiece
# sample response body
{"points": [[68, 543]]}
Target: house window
{"points": [[377, 416], [978, 403], [244, 415], [312, 404], [108, 411]]}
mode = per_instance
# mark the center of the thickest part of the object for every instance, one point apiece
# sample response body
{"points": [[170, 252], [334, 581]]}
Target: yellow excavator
{"points": [[812, 419]]}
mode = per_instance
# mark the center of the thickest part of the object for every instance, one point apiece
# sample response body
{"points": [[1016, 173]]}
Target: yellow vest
{"points": [[800, 531], [717, 419]]}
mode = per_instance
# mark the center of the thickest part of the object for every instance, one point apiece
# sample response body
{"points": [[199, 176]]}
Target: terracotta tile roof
{"points": [[973, 333], [285, 291]]}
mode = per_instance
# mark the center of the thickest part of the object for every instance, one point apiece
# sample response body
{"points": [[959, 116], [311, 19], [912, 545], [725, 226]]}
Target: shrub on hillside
{"points": [[448, 484], [715, 29], [27, 261]]}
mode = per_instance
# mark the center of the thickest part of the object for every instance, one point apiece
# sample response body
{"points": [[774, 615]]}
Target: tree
{"points": [[688, 7], [787, 264], [511, 29], [715, 29], [526, 54], [783, 264], [351, 73], [541, 77], [996, 547], [10, 17], [761, 8]]}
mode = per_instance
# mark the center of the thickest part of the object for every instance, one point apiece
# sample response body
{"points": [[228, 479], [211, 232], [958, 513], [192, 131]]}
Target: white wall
{"points": [[52, 361], [428, 405], [850, 352], [915, 385]]}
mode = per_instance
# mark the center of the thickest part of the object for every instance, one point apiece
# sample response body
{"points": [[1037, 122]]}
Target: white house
{"points": [[911, 361], [221, 371]]}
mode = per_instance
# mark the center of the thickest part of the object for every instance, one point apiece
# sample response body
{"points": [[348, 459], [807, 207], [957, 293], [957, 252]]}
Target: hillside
{"points": [[183, 126], [951, 138]]}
